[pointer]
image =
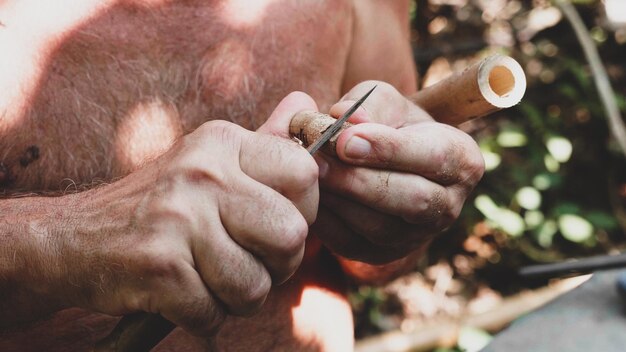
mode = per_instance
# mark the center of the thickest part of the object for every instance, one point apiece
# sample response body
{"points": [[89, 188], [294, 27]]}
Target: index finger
{"points": [[436, 151]]}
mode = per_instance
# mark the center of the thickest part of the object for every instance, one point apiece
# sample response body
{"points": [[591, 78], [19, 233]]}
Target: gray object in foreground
{"points": [[580, 266], [588, 318]]}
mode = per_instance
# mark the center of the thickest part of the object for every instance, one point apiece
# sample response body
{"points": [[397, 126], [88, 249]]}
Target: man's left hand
{"points": [[401, 179]]}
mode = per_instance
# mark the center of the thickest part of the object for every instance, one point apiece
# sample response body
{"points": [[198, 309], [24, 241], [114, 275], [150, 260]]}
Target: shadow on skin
{"points": [[121, 87]]}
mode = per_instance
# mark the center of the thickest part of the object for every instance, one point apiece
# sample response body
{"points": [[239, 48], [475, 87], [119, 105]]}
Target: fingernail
{"points": [[323, 167], [357, 148]]}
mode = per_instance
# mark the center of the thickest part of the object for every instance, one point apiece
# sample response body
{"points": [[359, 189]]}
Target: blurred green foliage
{"points": [[553, 171], [555, 185]]}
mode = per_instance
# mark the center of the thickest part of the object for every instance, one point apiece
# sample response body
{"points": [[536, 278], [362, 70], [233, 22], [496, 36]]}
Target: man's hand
{"points": [[402, 178], [204, 230]]}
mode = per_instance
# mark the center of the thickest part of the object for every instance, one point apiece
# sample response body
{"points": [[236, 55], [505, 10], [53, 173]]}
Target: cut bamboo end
{"points": [[494, 83], [501, 81]]}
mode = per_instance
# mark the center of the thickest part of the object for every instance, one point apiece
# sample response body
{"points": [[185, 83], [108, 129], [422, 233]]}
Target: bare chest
{"points": [[119, 88]]}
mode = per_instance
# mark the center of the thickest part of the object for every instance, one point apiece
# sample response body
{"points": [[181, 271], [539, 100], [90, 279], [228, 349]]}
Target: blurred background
{"points": [[555, 185]]}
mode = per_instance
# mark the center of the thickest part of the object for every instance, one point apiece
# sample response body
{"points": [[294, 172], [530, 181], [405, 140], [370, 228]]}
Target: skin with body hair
{"points": [[146, 165]]}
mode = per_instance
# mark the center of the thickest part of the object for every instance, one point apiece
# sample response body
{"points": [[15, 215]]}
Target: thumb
{"points": [[278, 122]]}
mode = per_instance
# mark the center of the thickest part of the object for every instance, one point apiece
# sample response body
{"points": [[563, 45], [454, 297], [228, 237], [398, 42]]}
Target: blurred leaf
{"points": [[473, 339], [579, 72], [569, 91], [510, 222], [533, 114], [545, 233], [412, 10], [560, 148], [511, 138], [621, 101], [503, 218], [486, 205], [598, 34], [566, 208], [492, 160], [533, 218], [528, 198], [544, 181], [602, 220], [574, 228], [551, 163]]}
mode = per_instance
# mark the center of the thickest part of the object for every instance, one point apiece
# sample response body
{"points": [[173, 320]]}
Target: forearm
{"points": [[28, 257]]}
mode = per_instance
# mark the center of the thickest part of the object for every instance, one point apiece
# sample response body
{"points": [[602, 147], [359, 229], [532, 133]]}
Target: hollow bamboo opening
{"points": [[501, 80]]}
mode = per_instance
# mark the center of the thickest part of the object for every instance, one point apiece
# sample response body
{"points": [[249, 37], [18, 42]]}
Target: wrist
{"points": [[29, 253]]}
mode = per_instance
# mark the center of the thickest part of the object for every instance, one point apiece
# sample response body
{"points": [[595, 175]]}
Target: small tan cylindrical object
{"points": [[308, 126], [494, 83]]}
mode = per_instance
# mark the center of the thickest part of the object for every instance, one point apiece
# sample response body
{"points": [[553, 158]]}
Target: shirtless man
{"points": [[127, 184]]}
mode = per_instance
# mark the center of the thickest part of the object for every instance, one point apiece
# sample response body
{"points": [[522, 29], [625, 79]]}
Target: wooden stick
{"points": [[308, 126], [446, 333], [496, 82], [492, 84]]}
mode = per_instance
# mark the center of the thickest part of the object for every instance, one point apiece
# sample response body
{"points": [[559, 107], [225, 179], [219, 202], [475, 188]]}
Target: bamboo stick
{"points": [[494, 83]]}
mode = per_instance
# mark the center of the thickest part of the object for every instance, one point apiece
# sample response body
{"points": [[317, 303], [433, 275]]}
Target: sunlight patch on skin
{"points": [[31, 31], [227, 68], [325, 318], [148, 130], [245, 13]]}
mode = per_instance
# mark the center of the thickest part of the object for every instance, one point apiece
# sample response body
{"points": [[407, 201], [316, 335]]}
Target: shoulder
{"points": [[380, 48]]}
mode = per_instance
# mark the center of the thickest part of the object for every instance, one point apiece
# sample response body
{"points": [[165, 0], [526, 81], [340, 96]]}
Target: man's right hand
{"points": [[200, 232]]}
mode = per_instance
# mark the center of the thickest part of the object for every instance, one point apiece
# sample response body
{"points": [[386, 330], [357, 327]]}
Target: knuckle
{"points": [[218, 127], [294, 232], [435, 210], [385, 149], [305, 171], [443, 215], [449, 156], [195, 173], [460, 158], [474, 167], [139, 300], [158, 262], [252, 295], [195, 166], [419, 206], [216, 134]]}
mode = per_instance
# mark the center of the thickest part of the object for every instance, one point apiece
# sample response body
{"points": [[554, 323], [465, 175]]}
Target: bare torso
{"points": [[121, 86]]}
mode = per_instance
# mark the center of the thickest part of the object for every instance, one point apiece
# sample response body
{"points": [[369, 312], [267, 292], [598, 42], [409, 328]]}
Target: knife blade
{"points": [[332, 129]]}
